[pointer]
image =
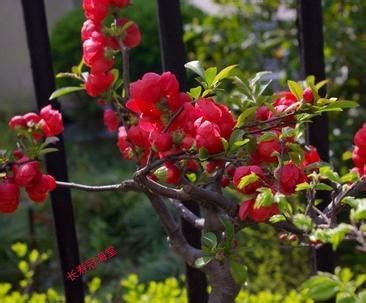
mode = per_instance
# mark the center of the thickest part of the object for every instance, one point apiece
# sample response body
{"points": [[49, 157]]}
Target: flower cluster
{"points": [[359, 151], [169, 122], [101, 44], [25, 171], [47, 124]]}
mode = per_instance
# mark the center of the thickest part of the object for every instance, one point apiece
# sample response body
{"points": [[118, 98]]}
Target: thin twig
{"points": [[125, 186]]}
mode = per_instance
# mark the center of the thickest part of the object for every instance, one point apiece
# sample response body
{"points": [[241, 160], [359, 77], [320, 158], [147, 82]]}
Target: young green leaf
{"points": [[196, 67], [202, 261], [295, 88], [209, 240], [239, 272], [65, 91]]}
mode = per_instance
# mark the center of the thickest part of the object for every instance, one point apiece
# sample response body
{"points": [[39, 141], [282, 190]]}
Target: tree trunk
{"points": [[224, 288]]}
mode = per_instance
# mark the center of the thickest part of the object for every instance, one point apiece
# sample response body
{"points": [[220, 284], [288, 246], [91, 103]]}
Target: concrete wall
{"points": [[16, 87]]}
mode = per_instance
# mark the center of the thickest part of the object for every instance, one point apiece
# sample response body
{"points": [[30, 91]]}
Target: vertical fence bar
{"points": [[44, 84], [173, 59], [310, 29]]}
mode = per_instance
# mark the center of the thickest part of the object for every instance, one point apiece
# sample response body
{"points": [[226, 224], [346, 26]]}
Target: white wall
{"points": [[16, 86]]}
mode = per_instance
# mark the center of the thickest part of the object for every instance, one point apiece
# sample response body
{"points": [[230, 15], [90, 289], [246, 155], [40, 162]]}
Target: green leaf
{"points": [[350, 177], [258, 77], [267, 136], [264, 198], [229, 230], [239, 272], [225, 144], [47, 151], [245, 115], [323, 186], [225, 73], [337, 234], [33, 256], [196, 67], [237, 135], [209, 240], [246, 180], [195, 92], [328, 173], [295, 88], [343, 104], [347, 155], [310, 80], [202, 261], [210, 75], [302, 222], [303, 186], [203, 153], [344, 297], [277, 218], [361, 297], [321, 84], [65, 91], [321, 287]]}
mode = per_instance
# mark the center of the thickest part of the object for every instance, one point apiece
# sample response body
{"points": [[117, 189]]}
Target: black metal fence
{"points": [[310, 30]]}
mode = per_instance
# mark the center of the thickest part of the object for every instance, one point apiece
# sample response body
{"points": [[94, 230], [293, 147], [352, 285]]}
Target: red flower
{"points": [[290, 175], [311, 156], [17, 121], [169, 84], [243, 171], [38, 192], [360, 137], [358, 157], [285, 100], [217, 113], [132, 35], [267, 148], [173, 174], [88, 28], [27, 174], [96, 84], [308, 95], [138, 137], [147, 89], [53, 119], [263, 113], [9, 196], [111, 120], [96, 10], [259, 214], [94, 53], [208, 137], [162, 142], [31, 119]]}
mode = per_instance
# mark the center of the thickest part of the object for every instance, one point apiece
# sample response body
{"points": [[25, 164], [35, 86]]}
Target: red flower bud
{"points": [[173, 174], [308, 95], [96, 84], [111, 120], [208, 137], [290, 175], [9, 196], [53, 119], [132, 35], [243, 171], [360, 137], [96, 10], [17, 121], [27, 174], [38, 192], [161, 142], [89, 27], [267, 148]]}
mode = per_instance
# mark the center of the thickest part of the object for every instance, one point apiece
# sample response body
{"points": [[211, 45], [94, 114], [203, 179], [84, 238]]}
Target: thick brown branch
{"points": [[189, 216], [178, 242], [125, 186]]}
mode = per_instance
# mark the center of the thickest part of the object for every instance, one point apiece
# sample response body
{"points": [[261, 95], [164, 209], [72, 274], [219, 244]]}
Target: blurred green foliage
{"points": [[127, 290]]}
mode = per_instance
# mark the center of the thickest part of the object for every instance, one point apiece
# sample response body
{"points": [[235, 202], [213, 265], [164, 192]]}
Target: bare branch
{"points": [[189, 216], [353, 190], [125, 186], [177, 240]]}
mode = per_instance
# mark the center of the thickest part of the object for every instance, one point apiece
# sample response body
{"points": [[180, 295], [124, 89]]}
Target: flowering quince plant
{"points": [[244, 162]]}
